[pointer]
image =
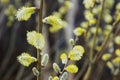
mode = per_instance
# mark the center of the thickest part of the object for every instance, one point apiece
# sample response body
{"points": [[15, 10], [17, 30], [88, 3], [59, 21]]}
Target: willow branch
{"points": [[96, 33], [40, 31], [89, 70], [104, 45]]}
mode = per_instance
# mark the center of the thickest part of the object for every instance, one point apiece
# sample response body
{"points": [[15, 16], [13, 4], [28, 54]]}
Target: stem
{"points": [[40, 17], [40, 31], [100, 52], [89, 70], [87, 30], [39, 64], [87, 75], [97, 28]]}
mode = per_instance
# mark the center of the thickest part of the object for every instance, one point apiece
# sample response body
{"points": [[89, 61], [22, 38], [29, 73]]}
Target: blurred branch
{"points": [[104, 45], [20, 73], [91, 64], [10, 48], [96, 33], [10, 71], [2, 16], [39, 29], [99, 70], [71, 24], [79, 75], [29, 77]]}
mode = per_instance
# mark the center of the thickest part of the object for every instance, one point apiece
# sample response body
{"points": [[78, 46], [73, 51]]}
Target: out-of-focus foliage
{"points": [[106, 56], [79, 31], [72, 68], [10, 12]]}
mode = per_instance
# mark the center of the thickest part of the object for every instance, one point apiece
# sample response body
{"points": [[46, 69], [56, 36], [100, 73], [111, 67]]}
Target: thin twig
{"points": [[87, 30], [97, 28], [103, 47], [89, 70]]}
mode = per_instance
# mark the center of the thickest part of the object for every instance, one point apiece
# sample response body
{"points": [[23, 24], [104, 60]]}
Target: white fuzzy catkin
{"points": [[45, 60]]}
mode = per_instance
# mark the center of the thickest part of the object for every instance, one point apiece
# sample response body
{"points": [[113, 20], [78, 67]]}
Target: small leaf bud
{"points": [[45, 60], [35, 71], [56, 68], [64, 76], [71, 41]]}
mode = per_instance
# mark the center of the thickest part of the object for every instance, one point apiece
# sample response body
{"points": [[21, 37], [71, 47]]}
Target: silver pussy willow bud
{"points": [[45, 60], [35, 71], [50, 78], [64, 76], [56, 68], [71, 42]]}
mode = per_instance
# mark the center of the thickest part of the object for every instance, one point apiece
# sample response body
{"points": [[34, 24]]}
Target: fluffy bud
{"points": [[25, 13], [72, 68]]}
